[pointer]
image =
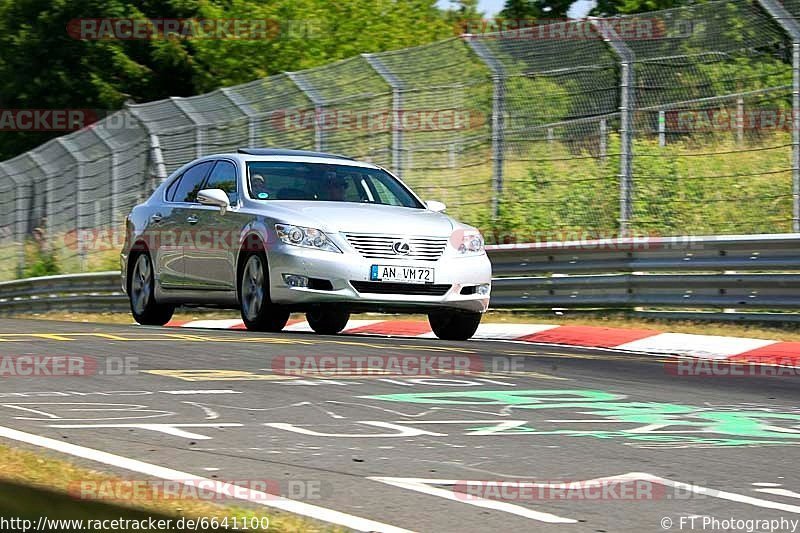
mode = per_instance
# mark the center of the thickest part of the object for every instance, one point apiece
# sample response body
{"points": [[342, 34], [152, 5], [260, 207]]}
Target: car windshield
{"points": [[279, 180]]}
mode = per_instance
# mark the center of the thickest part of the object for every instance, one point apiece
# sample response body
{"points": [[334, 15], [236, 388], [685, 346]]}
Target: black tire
{"points": [[454, 325], [258, 311], [141, 293], [328, 321]]}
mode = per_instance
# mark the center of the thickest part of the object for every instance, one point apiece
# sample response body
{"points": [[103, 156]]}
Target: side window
{"points": [[191, 182], [170, 192], [224, 177]]}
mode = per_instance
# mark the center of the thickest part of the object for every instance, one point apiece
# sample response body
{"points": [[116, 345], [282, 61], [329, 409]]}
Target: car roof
{"points": [[282, 151], [300, 156]]}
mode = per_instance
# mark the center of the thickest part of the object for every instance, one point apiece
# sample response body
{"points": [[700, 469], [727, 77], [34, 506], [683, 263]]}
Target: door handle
{"points": [[191, 219], [156, 217]]}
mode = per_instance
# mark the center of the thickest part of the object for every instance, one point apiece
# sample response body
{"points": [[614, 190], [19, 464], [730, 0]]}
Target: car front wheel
{"points": [[258, 312], [328, 321], [141, 293], [454, 325]]}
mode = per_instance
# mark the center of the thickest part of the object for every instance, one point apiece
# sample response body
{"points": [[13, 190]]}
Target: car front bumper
{"points": [[343, 268]]}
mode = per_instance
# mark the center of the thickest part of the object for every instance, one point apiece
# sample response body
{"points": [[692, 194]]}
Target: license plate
{"points": [[401, 274]]}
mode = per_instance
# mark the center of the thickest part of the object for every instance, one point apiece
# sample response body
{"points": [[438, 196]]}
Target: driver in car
{"points": [[335, 187]]}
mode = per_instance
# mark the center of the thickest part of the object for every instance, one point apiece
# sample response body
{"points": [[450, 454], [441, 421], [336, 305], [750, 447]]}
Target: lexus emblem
{"points": [[401, 247]]}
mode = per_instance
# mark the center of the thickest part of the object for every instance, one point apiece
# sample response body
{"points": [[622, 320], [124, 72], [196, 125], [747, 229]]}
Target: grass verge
{"points": [[32, 485]]}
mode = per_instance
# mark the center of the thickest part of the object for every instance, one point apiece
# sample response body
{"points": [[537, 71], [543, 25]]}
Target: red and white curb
{"points": [[646, 341]]}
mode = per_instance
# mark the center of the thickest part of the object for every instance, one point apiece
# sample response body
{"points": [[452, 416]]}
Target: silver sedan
{"points": [[275, 231]]}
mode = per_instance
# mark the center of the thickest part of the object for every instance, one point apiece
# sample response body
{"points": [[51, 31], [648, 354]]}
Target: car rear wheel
{"points": [[141, 293], [454, 325], [258, 312], [328, 321]]}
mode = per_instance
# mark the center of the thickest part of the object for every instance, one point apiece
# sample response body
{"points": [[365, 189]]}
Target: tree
{"points": [[43, 67], [537, 9], [619, 7]]}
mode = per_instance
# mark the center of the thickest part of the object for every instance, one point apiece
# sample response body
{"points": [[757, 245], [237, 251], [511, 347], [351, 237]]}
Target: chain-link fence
{"points": [[683, 121]]}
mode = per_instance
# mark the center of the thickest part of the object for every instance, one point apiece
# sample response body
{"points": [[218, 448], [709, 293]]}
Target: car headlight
{"points": [[468, 242], [306, 237]]}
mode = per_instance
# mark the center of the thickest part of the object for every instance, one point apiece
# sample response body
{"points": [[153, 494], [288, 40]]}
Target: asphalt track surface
{"points": [[215, 404]]}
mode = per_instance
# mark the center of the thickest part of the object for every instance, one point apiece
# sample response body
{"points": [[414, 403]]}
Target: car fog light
{"points": [[483, 289], [294, 280]]}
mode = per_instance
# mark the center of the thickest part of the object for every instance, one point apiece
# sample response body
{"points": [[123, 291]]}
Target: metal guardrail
{"points": [[712, 272], [90, 292], [693, 272]]}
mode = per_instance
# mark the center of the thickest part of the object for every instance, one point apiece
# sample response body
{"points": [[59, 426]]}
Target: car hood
{"points": [[349, 217]]}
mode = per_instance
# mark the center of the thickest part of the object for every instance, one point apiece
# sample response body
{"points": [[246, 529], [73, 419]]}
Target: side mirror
{"points": [[216, 197], [436, 207]]}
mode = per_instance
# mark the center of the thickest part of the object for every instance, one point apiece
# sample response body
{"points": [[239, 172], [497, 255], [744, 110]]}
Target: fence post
{"points": [[397, 86], [319, 103], [740, 120], [626, 108], [101, 133], [791, 26], [80, 199], [498, 115], [159, 168], [19, 220], [248, 112], [662, 128], [603, 139], [199, 126], [47, 213]]}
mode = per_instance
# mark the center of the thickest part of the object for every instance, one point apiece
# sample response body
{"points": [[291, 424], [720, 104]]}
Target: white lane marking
{"points": [[253, 496], [780, 492], [400, 430], [424, 486], [706, 346], [209, 412], [766, 484], [141, 411], [208, 391], [168, 429], [721, 494]]}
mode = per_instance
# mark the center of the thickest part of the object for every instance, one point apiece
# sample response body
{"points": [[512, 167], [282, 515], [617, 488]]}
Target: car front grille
{"points": [[381, 246], [379, 287]]}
